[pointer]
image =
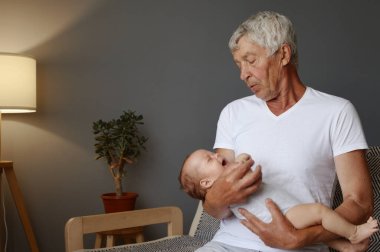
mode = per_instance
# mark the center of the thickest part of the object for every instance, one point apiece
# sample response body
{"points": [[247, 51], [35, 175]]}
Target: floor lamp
{"points": [[17, 95]]}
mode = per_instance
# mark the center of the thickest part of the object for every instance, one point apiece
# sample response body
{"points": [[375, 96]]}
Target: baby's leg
{"points": [[305, 215]]}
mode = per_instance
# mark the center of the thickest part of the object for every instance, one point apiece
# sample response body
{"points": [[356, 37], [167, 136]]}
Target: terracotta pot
{"points": [[113, 203]]}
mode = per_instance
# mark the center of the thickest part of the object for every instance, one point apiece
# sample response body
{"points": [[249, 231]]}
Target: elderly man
{"points": [[301, 137]]}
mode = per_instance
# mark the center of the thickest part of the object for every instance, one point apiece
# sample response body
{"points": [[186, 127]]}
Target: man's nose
{"points": [[244, 72]]}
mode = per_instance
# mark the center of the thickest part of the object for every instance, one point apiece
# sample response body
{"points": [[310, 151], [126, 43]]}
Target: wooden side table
{"points": [[134, 234], [19, 202]]}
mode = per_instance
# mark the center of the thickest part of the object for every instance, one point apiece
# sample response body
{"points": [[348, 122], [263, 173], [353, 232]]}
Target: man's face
{"points": [[259, 71]]}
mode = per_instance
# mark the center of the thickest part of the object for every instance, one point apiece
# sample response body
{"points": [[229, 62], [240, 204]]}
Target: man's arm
{"points": [[357, 206], [232, 187], [355, 181]]}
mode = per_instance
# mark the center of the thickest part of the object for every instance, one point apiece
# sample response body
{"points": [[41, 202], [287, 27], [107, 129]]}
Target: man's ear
{"points": [[286, 54], [206, 183]]}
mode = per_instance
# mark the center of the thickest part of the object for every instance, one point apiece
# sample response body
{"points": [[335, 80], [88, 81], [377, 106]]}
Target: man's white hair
{"points": [[267, 29]]}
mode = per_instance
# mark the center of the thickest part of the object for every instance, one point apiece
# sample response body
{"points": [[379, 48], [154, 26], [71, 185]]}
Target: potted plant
{"points": [[120, 143]]}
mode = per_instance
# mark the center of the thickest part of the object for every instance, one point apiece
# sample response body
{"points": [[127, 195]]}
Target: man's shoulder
{"points": [[244, 101], [322, 98]]}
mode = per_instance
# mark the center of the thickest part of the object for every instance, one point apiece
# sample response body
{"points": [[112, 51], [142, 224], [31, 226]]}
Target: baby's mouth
{"points": [[224, 162]]}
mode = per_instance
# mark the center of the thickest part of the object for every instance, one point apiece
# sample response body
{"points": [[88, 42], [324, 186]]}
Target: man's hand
{"points": [[234, 186], [279, 233]]}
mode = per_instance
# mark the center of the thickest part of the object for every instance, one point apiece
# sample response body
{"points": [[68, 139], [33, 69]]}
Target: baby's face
{"points": [[209, 164]]}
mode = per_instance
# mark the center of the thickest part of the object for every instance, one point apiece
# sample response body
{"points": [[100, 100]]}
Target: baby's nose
{"points": [[217, 156]]}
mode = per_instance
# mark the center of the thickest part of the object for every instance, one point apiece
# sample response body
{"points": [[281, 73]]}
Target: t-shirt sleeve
{"points": [[347, 132], [224, 133]]}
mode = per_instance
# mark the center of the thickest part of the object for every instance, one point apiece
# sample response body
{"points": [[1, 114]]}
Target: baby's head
{"points": [[199, 171]]}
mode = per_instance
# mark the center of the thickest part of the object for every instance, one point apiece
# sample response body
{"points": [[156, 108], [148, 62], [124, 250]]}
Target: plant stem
{"points": [[118, 186]]}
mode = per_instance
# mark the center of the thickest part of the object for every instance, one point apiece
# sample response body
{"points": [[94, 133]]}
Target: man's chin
{"points": [[259, 94], [257, 91], [265, 96]]}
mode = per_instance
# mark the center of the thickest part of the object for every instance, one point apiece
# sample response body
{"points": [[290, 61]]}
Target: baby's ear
{"points": [[206, 183]]}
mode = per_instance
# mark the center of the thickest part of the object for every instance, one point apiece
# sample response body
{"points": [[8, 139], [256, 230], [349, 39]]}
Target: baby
{"points": [[201, 168]]}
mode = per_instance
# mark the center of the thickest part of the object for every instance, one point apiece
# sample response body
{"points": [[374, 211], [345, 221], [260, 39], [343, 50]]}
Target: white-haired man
{"points": [[301, 138]]}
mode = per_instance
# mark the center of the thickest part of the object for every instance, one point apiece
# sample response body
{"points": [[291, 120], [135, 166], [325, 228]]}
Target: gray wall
{"points": [[169, 61]]}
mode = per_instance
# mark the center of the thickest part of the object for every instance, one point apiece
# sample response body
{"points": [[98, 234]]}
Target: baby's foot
{"points": [[364, 231]]}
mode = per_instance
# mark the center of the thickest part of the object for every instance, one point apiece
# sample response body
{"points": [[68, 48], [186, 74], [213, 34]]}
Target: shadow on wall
{"points": [[25, 25]]}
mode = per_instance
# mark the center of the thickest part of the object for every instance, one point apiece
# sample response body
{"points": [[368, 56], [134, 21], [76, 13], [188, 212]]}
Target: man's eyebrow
{"points": [[247, 54]]}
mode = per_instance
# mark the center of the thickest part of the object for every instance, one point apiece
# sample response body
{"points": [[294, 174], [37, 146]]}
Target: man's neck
{"points": [[292, 90]]}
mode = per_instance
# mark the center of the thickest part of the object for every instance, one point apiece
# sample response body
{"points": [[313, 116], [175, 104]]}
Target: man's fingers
{"points": [[251, 221], [236, 183], [249, 216], [252, 180], [273, 208], [247, 185], [239, 170]]}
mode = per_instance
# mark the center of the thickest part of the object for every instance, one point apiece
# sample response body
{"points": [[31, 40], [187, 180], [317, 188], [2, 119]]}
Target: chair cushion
{"points": [[207, 227], [183, 243]]}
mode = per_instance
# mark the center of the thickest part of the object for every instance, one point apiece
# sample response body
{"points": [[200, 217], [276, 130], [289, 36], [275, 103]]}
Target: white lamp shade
{"points": [[17, 84]]}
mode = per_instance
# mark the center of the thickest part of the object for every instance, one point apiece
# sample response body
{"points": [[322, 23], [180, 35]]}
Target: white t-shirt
{"points": [[256, 203], [296, 151]]}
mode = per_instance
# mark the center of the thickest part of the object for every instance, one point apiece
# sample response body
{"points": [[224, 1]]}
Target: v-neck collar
{"points": [[289, 111]]}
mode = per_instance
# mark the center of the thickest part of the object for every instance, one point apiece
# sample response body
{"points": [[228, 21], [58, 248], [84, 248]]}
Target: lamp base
{"points": [[19, 202]]}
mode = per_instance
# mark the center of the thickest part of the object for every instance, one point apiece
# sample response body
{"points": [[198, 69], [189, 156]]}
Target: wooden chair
{"points": [[129, 235], [77, 227]]}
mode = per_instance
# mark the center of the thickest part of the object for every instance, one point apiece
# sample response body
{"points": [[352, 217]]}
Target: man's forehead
{"points": [[242, 54], [248, 49]]}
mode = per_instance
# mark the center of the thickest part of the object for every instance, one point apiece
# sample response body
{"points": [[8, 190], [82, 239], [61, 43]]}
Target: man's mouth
{"points": [[252, 87]]}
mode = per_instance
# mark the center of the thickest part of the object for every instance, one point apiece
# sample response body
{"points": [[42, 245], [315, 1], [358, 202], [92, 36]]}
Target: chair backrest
{"points": [[207, 227], [77, 227], [204, 226]]}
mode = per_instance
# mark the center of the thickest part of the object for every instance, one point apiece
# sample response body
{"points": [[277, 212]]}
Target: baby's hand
{"points": [[242, 158]]}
